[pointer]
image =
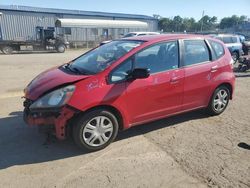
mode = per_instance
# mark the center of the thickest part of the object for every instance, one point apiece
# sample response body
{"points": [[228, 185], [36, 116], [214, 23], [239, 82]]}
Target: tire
{"points": [[235, 56], [90, 136], [219, 101], [244, 69], [7, 50], [61, 48], [240, 67]]}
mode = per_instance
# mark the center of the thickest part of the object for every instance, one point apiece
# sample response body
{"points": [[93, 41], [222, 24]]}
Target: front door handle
{"points": [[174, 80], [214, 68]]}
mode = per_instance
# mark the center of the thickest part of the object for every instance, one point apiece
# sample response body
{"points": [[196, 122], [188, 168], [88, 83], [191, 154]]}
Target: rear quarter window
{"points": [[217, 48]]}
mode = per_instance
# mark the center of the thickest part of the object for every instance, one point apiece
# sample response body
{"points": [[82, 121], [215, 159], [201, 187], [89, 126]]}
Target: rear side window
{"points": [[228, 40], [218, 49], [195, 51]]}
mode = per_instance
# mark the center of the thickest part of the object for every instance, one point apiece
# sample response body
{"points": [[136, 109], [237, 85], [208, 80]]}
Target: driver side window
{"points": [[158, 58], [121, 72]]}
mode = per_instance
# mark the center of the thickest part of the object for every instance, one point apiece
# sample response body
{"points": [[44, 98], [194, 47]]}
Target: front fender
{"points": [[94, 92]]}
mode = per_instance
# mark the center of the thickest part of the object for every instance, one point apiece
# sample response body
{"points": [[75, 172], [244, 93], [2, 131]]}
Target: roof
{"points": [[226, 35], [72, 12], [165, 37], [94, 23], [144, 32]]}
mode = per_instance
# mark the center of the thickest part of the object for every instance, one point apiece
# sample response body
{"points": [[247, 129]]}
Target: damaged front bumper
{"points": [[55, 118]]}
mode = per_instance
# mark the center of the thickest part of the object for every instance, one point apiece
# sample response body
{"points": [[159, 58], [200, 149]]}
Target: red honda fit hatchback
{"points": [[129, 82]]}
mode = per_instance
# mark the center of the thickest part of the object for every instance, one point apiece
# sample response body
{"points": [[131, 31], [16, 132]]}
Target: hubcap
{"points": [[220, 100], [98, 131], [61, 49]]}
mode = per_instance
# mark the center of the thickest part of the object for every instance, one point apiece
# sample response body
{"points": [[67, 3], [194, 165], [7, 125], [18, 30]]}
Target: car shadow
{"points": [[161, 124], [20, 144]]}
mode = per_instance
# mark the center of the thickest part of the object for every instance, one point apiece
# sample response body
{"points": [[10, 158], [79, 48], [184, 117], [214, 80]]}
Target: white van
{"points": [[133, 34]]}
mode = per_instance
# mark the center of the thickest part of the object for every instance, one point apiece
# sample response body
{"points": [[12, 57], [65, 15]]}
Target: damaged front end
{"points": [[50, 111]]}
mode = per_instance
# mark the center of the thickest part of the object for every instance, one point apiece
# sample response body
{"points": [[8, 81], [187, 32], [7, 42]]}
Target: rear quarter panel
{"points": [[225, 73]]}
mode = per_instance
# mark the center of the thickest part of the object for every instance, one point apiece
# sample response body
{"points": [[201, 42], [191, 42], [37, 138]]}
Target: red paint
{"points": [[47, 80], [160, 95], [59, 122]]}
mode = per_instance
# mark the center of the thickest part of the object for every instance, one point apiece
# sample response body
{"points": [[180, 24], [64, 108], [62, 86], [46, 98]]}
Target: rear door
{"points": [[199, 70]]}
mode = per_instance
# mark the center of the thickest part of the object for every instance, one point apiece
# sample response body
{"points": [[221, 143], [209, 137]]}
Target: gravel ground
{"points": [[189, 150]]}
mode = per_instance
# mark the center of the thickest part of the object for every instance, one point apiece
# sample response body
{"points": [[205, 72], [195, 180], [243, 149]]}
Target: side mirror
{"points": [[139, 73]]}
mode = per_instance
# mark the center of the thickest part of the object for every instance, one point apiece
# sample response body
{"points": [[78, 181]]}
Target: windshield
{"points": [[102, 57]]}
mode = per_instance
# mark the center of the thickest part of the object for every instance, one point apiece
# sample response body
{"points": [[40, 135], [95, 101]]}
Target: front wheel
{"points": [[219, 101], [95, 130]]}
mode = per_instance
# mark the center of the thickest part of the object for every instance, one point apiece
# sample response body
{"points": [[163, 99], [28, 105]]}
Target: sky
{"points": [[164, 8]]}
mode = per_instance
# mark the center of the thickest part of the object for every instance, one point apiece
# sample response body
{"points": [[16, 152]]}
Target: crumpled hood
{"points": [[48, 80]]}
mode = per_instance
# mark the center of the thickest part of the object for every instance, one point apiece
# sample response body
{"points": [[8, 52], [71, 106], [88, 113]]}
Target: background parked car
{"points": [[132, 34], [233, 43], [246, 47]]}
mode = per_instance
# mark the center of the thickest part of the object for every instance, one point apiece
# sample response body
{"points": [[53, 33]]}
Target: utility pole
{"points": [[0, 26], [203, 12]]}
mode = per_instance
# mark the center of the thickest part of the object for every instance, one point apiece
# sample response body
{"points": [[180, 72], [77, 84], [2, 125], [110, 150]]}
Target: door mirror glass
{"points": [[139, 73], [121, 72]]}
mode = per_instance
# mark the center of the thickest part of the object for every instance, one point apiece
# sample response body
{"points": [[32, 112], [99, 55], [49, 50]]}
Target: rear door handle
{"points": [[214, 68]]}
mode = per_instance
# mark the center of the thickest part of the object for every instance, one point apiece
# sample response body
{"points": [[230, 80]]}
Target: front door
{"points": [[161, 93]]}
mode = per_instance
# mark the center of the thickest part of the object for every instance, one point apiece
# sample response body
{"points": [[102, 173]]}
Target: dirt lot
{"points": [[190, 150]]}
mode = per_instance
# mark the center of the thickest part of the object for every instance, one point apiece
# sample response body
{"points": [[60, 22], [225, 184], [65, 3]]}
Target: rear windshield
{"points": [[228, 40]]}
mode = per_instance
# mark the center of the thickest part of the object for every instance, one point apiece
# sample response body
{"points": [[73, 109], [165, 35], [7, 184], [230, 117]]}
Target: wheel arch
{"points": [[229, 86], [109, 108]]}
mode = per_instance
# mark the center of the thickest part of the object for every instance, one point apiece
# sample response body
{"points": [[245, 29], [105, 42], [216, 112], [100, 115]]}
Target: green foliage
{"points": [[206, 23], [232, 21]]}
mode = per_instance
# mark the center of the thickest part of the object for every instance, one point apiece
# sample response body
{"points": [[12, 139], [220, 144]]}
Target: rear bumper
{"points": [[58, 120]]}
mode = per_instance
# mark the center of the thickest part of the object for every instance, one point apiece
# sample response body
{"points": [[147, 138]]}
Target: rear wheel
{"points": [[95, 130], [219, 101], [244, 68], [7, 50], [61, 48], [240, 67]]}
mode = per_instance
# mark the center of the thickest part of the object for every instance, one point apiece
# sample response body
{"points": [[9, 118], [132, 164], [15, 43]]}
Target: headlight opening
{"points": [[55, 98]]}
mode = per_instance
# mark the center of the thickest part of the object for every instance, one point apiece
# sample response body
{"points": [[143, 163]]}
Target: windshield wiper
{"points": [[77, 70], [69, 67]]}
